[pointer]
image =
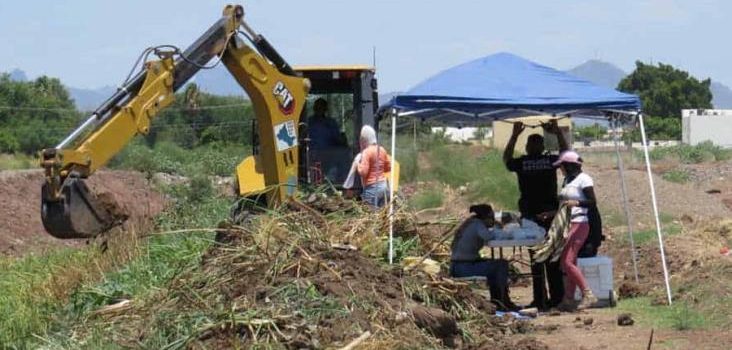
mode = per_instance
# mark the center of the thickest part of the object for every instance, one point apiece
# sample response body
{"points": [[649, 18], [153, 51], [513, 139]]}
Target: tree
{"points": [[35, 115], [593, 132], [665, 90]]}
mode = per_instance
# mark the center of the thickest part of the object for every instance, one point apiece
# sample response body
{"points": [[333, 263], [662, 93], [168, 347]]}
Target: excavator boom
{"points": [[71, 210]]}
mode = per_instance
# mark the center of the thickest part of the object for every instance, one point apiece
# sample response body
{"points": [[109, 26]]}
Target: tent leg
{"points": [[391, 188], [626, 205], [414, 134], [655, 207]]}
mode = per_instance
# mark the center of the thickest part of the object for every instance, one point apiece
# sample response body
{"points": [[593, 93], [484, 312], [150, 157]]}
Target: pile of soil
{"points": [[277, 280], [691, 256], [21, 230], [678, 200]]}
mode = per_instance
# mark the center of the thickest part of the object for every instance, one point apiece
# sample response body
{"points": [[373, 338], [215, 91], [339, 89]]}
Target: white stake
{"points": [[655, 207]]}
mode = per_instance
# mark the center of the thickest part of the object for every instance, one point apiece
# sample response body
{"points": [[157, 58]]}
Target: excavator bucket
{"points": [[78, 213]]}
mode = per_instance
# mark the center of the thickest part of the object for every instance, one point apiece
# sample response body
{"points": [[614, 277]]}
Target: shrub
{"points": [[431, 198], [702, 152], [677, 176], [199, 189]]}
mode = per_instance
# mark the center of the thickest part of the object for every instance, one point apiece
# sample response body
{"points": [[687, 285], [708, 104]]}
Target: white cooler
{"points": [[598, 272]]}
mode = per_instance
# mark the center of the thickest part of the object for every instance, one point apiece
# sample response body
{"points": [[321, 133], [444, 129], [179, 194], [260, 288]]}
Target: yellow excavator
{"points": [[282, 160]]}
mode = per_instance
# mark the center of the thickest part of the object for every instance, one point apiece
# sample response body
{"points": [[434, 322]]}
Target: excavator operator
{"points": [[322, 129]]}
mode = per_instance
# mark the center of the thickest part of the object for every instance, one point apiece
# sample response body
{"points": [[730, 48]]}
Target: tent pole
{"points": [[655, 207], [391, 187], [624, 191]]}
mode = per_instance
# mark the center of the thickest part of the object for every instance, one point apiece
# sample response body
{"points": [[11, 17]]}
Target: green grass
{"points": [[495, 183], [17, 161], [44, 296], [651, 235], [679, 316], [702, 152], [213, 159], [613, 219], [483, 172], [677, 175], [428, 198], [27, 297]]}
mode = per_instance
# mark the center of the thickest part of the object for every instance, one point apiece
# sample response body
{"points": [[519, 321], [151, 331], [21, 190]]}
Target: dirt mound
{"points": [[674, 199], [21, 229], [277, 281], [692, 255]]}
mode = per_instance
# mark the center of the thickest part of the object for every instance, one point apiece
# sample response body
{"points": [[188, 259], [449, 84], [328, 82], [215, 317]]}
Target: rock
{"points": [[401, 317], [687, 219], [629, 289], [588, 321], [555, 312], [625, 320], [435, 321]]}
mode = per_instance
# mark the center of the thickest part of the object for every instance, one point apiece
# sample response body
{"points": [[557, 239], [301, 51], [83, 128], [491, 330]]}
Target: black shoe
{"points": [[537, 306], [506, 306]]}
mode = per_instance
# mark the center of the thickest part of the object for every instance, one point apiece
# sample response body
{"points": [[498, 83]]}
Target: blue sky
{"points": [[93, 43]]}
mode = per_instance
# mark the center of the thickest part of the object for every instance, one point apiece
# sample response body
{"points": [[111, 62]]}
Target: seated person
{"points": [[323, 130], [465, 260]]}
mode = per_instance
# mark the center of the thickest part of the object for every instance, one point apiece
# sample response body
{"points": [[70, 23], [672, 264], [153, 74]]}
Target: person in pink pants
{"points": [[578, 194]]}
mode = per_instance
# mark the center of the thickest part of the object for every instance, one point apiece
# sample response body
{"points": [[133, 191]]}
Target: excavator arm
{"points": [[70, 210]]}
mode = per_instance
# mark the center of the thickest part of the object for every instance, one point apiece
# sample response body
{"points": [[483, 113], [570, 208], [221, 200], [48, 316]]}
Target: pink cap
{"points": [[568, 157]]}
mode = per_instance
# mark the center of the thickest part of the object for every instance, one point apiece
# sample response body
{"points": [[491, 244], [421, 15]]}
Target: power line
{"points": [[169, 109], [163, 126]]}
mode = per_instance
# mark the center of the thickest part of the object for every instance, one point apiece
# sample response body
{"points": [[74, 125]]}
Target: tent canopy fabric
{"points": [[504, 85]]}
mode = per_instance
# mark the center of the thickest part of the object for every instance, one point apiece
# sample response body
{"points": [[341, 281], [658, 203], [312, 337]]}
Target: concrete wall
{"points": [[502, 132], [699, 125]]}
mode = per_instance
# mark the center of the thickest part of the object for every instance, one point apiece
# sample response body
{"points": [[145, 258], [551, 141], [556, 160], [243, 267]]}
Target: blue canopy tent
{"points": [[504, 86]]}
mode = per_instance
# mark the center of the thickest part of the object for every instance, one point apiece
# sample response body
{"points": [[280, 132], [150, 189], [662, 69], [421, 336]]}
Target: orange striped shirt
{"points": [[375, 161]]}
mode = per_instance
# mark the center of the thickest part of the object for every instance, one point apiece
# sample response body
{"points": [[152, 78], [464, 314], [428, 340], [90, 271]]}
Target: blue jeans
{"points": [[495, 271], [376, 194]]}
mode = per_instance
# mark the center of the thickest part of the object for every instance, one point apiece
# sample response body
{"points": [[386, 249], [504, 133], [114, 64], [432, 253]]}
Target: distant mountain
{"points": [[90, 99], [385, 98], [722, 96], [599, 72], [217, 81], [18, 75]]}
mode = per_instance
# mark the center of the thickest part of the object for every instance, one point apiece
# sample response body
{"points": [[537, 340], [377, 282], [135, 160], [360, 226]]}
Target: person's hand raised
{"points": [[518, 128], [552, 127]]}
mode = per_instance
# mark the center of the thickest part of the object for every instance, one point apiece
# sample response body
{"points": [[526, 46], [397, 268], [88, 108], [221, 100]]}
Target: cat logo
{"points": [[284, 98]]}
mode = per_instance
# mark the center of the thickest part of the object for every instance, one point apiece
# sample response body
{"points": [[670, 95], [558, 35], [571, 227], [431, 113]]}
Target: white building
{"points": [[699, 125], [463, 134]]}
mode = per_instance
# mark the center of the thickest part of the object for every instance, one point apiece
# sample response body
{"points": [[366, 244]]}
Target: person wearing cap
{"points": [[579, 195], [465, 260], [537, 180]]}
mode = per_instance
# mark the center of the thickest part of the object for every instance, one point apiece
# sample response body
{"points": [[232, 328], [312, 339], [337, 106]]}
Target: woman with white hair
{"points": [[372, 164]]}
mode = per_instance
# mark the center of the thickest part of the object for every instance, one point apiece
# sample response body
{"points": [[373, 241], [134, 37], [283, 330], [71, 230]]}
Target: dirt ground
{"points": [[568, 331], [21, 229], [677, 200], [692, 255]]}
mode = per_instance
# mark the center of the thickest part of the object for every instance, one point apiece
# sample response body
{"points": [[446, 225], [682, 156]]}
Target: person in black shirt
{"points": [[537, 178]]}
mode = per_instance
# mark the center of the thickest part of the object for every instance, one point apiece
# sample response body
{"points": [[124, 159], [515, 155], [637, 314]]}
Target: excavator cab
{"points": [[351, 95]]}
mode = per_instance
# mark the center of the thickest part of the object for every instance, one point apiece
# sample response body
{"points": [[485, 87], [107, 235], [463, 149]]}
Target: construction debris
{"points": [[285, 279]]}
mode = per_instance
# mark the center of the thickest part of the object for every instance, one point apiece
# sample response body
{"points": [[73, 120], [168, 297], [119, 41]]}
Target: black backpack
{"points": [[595, 237]]}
